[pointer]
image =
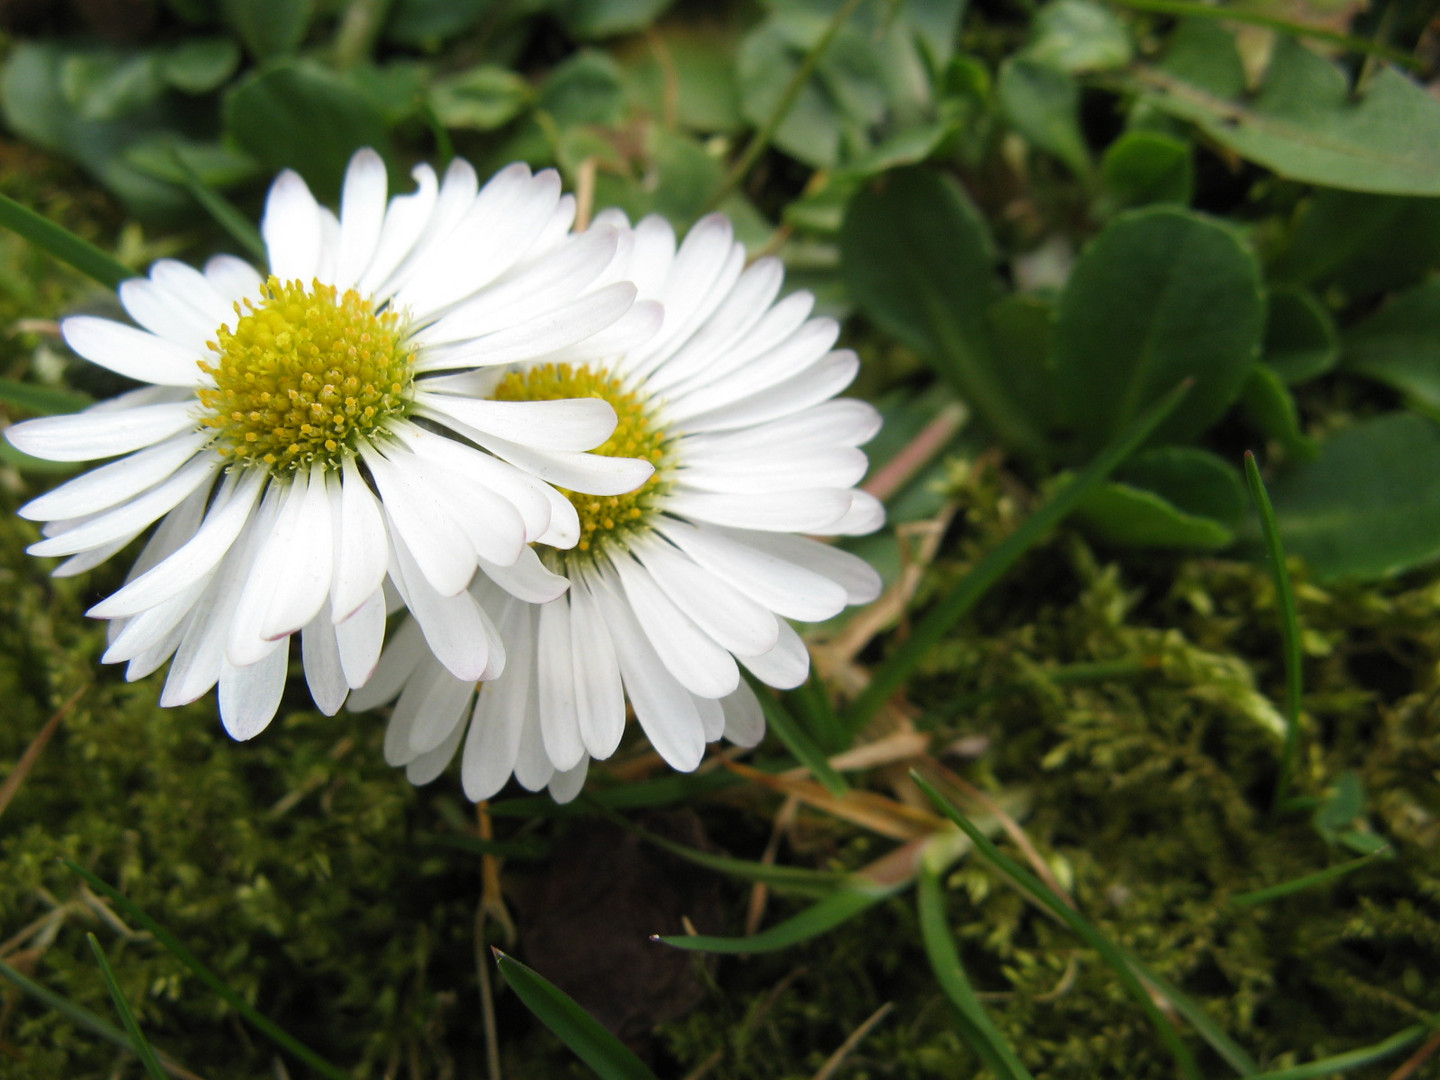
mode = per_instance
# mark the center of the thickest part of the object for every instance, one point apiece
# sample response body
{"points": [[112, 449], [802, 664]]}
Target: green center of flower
{"points": [[604, 519], [306, 376]]}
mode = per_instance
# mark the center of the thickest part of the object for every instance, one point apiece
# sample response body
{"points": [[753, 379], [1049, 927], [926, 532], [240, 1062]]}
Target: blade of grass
{"points": [[41, 400], [62, 244], [1037, 891], [1289, 627], [1199, 1019], [223, 211], [799, 743], [979, 1029], [572, 1025], [138, 1042], [213, 981], [840, 906], [891, 675], [1320, 877], [1351, 1059], [84, 1018]]}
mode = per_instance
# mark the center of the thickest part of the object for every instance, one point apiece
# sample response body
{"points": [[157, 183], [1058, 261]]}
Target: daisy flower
{"points": [[301, 438], [679, 584]]}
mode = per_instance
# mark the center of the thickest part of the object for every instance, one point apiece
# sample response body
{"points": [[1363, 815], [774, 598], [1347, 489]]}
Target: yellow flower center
{"points": [[306, 376], [604, 519]]}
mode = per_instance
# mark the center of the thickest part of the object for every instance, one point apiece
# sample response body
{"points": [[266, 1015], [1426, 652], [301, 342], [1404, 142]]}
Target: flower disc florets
{"points": [[604, 519], [305, 376]]}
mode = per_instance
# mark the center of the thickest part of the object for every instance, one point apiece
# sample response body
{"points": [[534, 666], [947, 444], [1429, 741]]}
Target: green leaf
{"points": [[1022, 335], [588, 88], [106, 85], [799, 743], [426, 24], [41, 400], [294, 114], [141, 1045], [1399, 345], [842, 905], [210, 979], [1196, 481], [898, 666], [1043, 104], [698, 69], [269, 28], [572, 1025], [1269, 406], [918, 260], [1132, 517], [1362, 244], [1079, 36], [480, 98], [1305, 123], [1145, 167], [944, 958], [1352, 1059], [1300, 337], [62, 244], [1309, 881], [606, 18], [200, 65], [1161, 295], [1369, 506], [76, 1014]]}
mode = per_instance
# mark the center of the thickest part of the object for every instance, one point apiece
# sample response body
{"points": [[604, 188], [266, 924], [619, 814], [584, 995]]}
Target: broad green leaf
{"points": [[1300, 337], [1133, 517], [582, 1033], [1022, 335], [1043, 104], [918, 260], [1195, 480], [269, 28], [692, 72], [1369, 505], [588, 88], [1305, 123], [1399, 345], [427, 24], [106, 85], [1144, 167], [200, 65], [168, 158], [480, 98], [677, 180], [1161, 295], [295, 114], [1079, 36], [1269, 406], [606, 18], [1362, 244]]}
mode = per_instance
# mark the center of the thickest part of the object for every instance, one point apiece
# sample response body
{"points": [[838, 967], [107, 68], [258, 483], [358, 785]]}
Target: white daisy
{"points": [[675, 586], [303, 438]]}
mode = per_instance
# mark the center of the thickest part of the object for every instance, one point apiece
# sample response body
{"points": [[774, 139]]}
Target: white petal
{"points": [[405, 221], [292, 230], [417, 511], [700, 665], [428, 766], [136, 354], [430, 706], [723, 612], [856, 576], [170, 319], [145, 631], [624, 335], [770, 511], [785, 666], [599, 695], [592, 474], [321, 657], [249, 696], [533, 767], [842, 422], [712, 717], [114, 483], [665, 709], [744, 719], [762, 471], [706, 267], [361, 550], [527, 578], [244, 644], [234, 279], [563, 424], [197, 558], [566, 784], [360, 638], [556, 329], [786, 586], [406, 651], [362, 213], [91, 434], [790, 358], [88, 560], [866, 514], [563, 532], [819, 382], [132, 517], [559, 718], [301, 583], [495, 728], [455, 627]]}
